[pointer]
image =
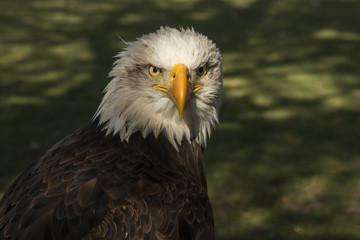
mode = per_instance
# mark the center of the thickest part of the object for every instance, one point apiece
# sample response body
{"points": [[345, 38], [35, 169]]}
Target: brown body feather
{"points": [[92, 186]]}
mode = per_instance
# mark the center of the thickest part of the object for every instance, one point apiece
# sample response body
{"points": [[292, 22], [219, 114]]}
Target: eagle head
{"points": [[167, 82]]}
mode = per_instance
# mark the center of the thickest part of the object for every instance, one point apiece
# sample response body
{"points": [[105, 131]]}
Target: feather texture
{"points": [[92, 186]]}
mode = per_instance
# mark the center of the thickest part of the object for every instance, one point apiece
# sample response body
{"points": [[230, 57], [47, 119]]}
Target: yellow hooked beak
{"points": [[178, 86]]}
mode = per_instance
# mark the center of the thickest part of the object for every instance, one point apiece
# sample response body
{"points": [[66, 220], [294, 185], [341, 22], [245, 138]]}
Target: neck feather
{"points": [[127, 113]]}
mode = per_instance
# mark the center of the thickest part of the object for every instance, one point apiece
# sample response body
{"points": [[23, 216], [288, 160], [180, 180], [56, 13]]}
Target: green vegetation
{"points": [[285, 161]]}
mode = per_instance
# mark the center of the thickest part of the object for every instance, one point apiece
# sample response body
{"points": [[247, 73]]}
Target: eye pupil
{"points": [[154, 71], [202, 71]]}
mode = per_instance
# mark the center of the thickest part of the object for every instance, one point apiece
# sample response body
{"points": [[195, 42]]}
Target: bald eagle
{"points": [[136, 170]]}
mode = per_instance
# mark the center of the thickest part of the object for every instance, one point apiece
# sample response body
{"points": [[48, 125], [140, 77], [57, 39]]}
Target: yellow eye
{"points": [[201, 71], [154, 71]]}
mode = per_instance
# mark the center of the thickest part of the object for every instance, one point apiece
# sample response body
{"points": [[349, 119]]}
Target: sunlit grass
{"points": [[335, 34], [240, 4]]}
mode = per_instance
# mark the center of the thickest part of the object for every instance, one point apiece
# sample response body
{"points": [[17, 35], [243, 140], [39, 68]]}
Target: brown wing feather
{"points": [[89, 186]]}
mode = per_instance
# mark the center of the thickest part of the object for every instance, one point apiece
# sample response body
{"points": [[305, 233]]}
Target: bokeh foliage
{"points": [[285, 161]]}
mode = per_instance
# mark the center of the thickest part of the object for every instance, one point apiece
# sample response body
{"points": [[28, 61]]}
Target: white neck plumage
{"points": [[125, 111]]}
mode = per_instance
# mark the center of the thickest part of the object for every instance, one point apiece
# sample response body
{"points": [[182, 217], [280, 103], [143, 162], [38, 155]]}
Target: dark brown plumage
{"points": [[108, 189]]}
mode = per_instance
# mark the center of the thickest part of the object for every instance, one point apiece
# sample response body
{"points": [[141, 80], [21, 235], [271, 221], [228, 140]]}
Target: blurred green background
{"points": [[285, 161]]}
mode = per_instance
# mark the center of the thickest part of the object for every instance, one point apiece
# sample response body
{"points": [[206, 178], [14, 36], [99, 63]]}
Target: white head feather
{"points": [[131, 104]]}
